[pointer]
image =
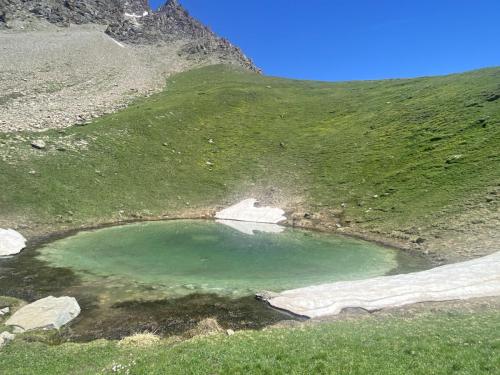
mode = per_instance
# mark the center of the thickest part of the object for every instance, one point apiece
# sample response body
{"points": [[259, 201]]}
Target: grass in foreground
{"points": [[397, 152], [429, 344]]}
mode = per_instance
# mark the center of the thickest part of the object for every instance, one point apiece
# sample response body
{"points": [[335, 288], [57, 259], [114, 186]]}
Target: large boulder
{"points": [[11, 242], [47, 313]]}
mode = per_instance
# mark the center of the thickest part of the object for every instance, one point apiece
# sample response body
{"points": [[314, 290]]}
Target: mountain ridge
{"points": [[129, 21], [66, 62]]}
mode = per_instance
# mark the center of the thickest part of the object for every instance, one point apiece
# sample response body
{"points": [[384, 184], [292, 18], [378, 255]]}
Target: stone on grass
{"points": [[5, 338], [11, 242], [246, 211], [4, 311], [39, 144], [46, 313]]}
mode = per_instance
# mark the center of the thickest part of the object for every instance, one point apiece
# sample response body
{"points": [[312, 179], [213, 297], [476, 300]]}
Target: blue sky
{"points": [[358, 39]]}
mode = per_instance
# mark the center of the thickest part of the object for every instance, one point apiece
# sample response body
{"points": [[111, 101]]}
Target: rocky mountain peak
{"points": [[170, 3], [138, 7], [131, 21]]}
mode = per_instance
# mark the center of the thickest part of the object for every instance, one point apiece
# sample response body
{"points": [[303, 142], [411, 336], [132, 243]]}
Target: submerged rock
{"points": [[47, 313], [11, 242], [246, 211]]}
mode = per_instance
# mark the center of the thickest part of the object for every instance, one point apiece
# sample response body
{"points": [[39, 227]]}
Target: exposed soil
{"points": [[58, 77]]}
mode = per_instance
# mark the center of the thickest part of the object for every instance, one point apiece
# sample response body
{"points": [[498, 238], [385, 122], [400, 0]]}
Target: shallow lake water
{"points": [[166, 276]]}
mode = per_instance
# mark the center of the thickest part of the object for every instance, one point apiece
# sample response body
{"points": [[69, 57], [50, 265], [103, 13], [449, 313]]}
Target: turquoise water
{"points": [[177, 258]]}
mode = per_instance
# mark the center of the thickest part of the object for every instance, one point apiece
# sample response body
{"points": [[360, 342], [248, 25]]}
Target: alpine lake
{"points": [[167, 276]]}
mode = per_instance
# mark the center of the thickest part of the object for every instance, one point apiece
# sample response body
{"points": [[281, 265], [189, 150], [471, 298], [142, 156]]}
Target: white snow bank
{"points": [[135, 15], [246, 211], [11, 242], [475, 278]]}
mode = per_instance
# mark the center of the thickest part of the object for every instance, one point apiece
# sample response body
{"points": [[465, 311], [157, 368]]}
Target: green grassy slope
{"points": [[455, 343], [396, 152]]}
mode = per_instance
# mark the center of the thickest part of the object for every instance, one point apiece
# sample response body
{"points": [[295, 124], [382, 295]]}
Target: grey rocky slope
{"points": [[66, 62]]}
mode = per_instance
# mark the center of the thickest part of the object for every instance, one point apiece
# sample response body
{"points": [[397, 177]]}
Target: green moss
{"points": [[219, 133]]}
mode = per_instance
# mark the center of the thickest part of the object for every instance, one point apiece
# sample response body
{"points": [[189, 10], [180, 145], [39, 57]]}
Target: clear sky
{"points": [[357, 39]]}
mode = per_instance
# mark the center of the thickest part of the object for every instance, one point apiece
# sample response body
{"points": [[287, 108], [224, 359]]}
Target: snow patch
{"points": [[246, 211], [135, 15], [472, 279]]}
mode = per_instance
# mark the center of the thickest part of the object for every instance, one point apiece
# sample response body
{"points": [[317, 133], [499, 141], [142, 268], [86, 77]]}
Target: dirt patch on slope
{"points": [[58, 77]]}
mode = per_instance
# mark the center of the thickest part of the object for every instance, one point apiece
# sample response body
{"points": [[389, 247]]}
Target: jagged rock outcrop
{"points": [[64, 12], [131, 21]]}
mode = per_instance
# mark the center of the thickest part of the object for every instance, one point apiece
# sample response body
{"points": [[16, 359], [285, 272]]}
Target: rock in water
{"points": [[11, 242], [47, 313]]}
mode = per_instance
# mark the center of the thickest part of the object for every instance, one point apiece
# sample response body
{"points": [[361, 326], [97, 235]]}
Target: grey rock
{"points": [[47, 313], [4, 311], [11, 242], [492, 97], [38, 144], [5, 338]]}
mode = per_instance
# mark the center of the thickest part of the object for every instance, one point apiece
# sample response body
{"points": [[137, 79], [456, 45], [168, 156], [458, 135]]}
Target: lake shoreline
{"points": [[39, 236]]}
